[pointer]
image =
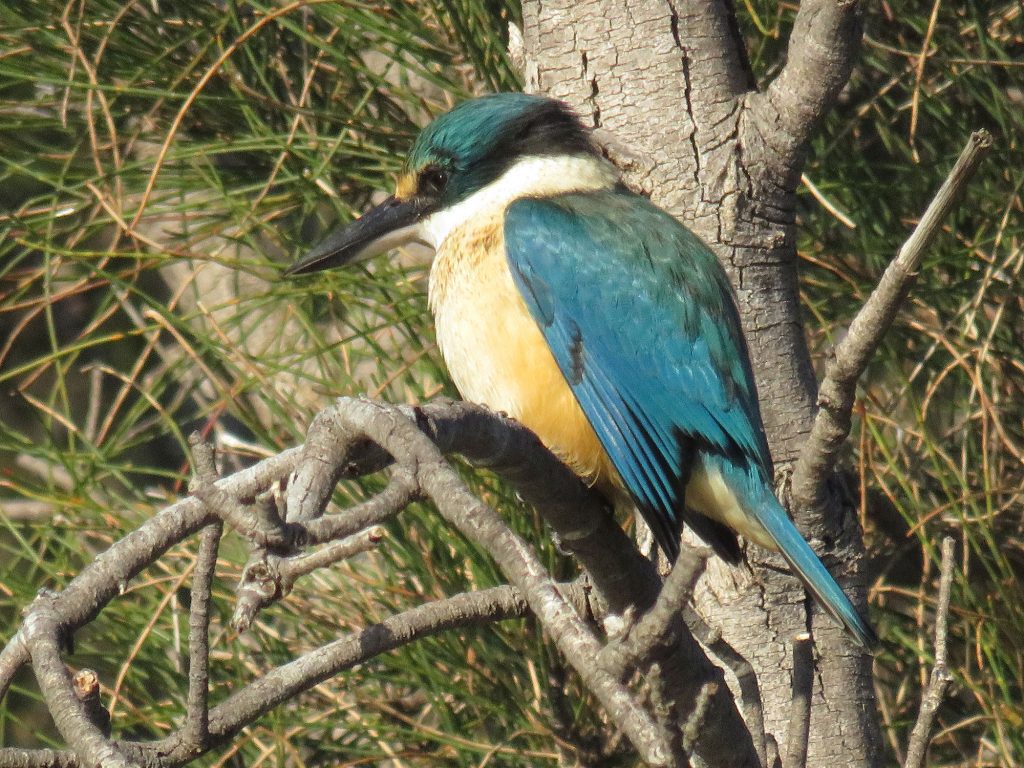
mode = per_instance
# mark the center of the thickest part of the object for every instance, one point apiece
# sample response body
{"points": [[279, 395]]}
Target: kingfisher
{"points": [[594, 318]]}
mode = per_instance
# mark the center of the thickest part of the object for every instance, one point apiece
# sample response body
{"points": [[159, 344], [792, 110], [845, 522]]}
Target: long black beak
{"points": [[391, 224]]}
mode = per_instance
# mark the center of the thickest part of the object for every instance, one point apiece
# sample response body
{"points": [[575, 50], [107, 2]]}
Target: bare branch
{"points": [[800, 715], [109, 573], [836, 396], [42, 635], [695, 722], [941, 678], [822, 50], [283, 683]]}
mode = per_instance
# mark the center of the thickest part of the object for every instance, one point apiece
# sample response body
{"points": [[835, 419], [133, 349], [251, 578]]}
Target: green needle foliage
{"points": [[159, 164]]}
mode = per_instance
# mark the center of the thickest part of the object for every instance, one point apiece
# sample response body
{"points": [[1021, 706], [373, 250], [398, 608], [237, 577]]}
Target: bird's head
{"points": [[458, 156]]}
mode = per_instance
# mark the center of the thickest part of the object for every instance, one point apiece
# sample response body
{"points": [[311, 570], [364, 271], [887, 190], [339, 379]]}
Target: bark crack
{"points": [[687, 96]]}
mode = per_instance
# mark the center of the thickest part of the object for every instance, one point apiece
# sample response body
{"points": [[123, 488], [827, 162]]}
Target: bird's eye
{"points": [[433, 181]]}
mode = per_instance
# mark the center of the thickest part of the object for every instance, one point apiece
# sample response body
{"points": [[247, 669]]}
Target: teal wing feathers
{"points": [[641, 320]]}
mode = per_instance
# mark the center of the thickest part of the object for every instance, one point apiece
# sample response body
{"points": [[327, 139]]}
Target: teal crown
{"points": [[478, 140]]}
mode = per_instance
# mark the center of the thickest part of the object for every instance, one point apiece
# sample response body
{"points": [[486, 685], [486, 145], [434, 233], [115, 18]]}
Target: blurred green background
{"points": [[160, 161]]}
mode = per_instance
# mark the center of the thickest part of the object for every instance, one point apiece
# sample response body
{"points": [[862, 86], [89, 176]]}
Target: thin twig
{"points": [[941, 678], [695, 723], [292, 568], [799, 729], [268, 577], [655, 645], [836, 396], [250, 520]]}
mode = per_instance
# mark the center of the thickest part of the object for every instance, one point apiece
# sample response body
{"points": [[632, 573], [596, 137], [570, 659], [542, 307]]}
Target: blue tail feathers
{"points": [[754, 494], [819, 582]]}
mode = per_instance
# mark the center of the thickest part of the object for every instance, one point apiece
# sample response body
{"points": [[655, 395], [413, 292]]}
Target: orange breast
{"points": [[497, 355]]}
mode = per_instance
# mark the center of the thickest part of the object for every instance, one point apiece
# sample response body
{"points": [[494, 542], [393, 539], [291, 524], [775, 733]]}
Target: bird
{"points": [[593, 317]]}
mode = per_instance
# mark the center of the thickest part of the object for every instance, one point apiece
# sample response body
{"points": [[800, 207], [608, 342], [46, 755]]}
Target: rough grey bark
{"points": [[670, 81]]}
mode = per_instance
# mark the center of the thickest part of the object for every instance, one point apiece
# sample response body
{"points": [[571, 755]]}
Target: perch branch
{"points": [[836, 396], [477, 521], [577, 514], [941, 678]]}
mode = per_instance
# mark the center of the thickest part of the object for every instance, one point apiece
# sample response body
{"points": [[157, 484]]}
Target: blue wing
{"points": [[640, 319]]}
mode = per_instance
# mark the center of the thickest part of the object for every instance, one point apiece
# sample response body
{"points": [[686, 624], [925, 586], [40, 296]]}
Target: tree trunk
{"points": [[671, 83]]}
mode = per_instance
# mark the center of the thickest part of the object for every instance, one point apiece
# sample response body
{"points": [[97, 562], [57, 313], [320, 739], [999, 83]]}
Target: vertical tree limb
{"points": [[196, 728], [822, 49]]}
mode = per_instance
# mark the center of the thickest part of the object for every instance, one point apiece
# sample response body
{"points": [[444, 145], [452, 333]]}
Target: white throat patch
{"points": [[537, 176]]}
